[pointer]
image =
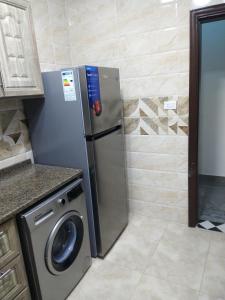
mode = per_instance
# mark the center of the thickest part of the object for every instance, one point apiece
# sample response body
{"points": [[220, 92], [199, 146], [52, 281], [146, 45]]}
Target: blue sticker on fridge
{"points": [[93, 88]]}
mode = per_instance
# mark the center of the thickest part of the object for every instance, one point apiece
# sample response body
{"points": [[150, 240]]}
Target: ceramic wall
{"points": [[149, 42]]}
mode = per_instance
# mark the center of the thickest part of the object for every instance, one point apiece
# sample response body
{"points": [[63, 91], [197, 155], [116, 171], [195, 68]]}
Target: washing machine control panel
{"points": [[61, 201]]}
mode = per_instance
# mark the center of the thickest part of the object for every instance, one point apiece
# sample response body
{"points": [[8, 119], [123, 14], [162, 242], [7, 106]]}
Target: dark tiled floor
{"points": [[212, 198]]}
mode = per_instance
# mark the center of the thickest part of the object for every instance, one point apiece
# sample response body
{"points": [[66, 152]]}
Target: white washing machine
{"points": [[55, 242]]}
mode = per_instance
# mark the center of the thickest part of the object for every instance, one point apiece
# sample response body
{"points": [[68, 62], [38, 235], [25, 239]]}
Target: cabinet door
{"points": [[12, 279], [20, 70], [25, 295], [9, 243]]}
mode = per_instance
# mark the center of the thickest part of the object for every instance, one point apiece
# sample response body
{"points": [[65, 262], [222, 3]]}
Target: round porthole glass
{"points": [[64, 242]]}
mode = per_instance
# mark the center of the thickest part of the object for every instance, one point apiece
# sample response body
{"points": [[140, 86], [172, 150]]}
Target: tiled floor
{"points": [[211, 198], [155, 260], [209, 225]]}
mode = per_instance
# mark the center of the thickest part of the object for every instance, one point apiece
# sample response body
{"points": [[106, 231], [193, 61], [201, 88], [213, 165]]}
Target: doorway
{"points": [[207, 117]]}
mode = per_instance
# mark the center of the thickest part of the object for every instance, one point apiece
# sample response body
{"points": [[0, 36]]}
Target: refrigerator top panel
{"points": [[102, 105]]}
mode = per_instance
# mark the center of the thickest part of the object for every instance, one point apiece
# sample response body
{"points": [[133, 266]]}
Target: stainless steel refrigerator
{"points": [[79, 124]]}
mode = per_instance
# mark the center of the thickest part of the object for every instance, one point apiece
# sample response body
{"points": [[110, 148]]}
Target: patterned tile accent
{"points": [[214, 226], [146, 116], [14, 136]]}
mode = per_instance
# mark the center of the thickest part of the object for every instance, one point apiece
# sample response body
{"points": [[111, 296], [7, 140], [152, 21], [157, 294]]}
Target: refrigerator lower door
{"points": [[111, 188]]}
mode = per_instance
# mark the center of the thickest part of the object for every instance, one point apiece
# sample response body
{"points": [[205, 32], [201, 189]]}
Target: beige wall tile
{"points": [[45, 51], [135, 88], [104, 9], [83, 29], [157, 144], [158, 196], [60, 33], [183, 8], [182, 145], [182, 37], [141, 43], [148, 65], [165, 213], [157, 162], [165, 85], [176, 181], [182, 199], [151, 194], [133, 17], [62, 55], [41, 19], [195, 4], [51, 28], [47, 67], [101, 50]]}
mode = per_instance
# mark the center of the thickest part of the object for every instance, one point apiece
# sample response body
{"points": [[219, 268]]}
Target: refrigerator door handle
{"points": [[99, 135]]}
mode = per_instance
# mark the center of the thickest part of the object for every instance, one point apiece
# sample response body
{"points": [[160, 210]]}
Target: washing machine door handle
{"points": [[64, 242]]}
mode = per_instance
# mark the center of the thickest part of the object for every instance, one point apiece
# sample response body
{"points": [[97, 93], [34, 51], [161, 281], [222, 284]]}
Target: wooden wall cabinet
{"points": [[19, 64]]}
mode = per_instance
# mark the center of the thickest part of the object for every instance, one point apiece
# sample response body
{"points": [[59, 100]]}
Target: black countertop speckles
{"points": [[25, 184]]}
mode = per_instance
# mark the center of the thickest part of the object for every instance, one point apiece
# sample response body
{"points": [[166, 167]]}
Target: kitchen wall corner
{"points": [[51, 30]]}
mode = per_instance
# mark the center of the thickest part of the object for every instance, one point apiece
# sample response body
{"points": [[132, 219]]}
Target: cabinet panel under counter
{"points": [[9, 242], [12, 279]]}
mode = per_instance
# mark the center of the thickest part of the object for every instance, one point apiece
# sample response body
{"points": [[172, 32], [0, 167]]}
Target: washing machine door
{"points": [[64, 242]]}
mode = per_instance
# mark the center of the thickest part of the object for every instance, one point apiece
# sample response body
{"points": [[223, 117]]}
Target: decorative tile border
{"points": [[14, 136], [146, 116]]}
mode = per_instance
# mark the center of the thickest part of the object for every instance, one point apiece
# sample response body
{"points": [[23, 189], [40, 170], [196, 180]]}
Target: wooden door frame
{"points": [[197, 17]]}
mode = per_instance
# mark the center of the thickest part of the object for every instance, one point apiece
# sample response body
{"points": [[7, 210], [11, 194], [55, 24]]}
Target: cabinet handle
{"points": [[4, 274], [4, 244]]}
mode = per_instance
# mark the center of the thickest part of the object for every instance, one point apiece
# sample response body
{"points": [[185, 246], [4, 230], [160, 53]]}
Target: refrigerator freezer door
{"points": [[111, 188], [107, 113]]}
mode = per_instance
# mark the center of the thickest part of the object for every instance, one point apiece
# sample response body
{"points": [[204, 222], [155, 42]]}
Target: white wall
{"points": [[212, 100]]}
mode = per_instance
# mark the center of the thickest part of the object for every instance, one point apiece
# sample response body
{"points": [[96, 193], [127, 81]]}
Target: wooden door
{"points": [[197, 17]]}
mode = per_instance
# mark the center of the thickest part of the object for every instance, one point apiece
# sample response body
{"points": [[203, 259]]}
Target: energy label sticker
{"points": [[68, 85]]}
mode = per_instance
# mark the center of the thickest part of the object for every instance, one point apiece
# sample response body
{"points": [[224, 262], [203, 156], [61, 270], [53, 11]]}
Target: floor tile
{"points": [[165, 213], [106, 281], [151, 288], [207, 225], [138, 243], [207, 297], [214, 277], [222, 227], [180, 256], [151, 228], [154, 260], [217, 245]]}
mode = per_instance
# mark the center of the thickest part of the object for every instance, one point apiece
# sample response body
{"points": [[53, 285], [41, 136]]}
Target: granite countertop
{"points": [[25, 184]]}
